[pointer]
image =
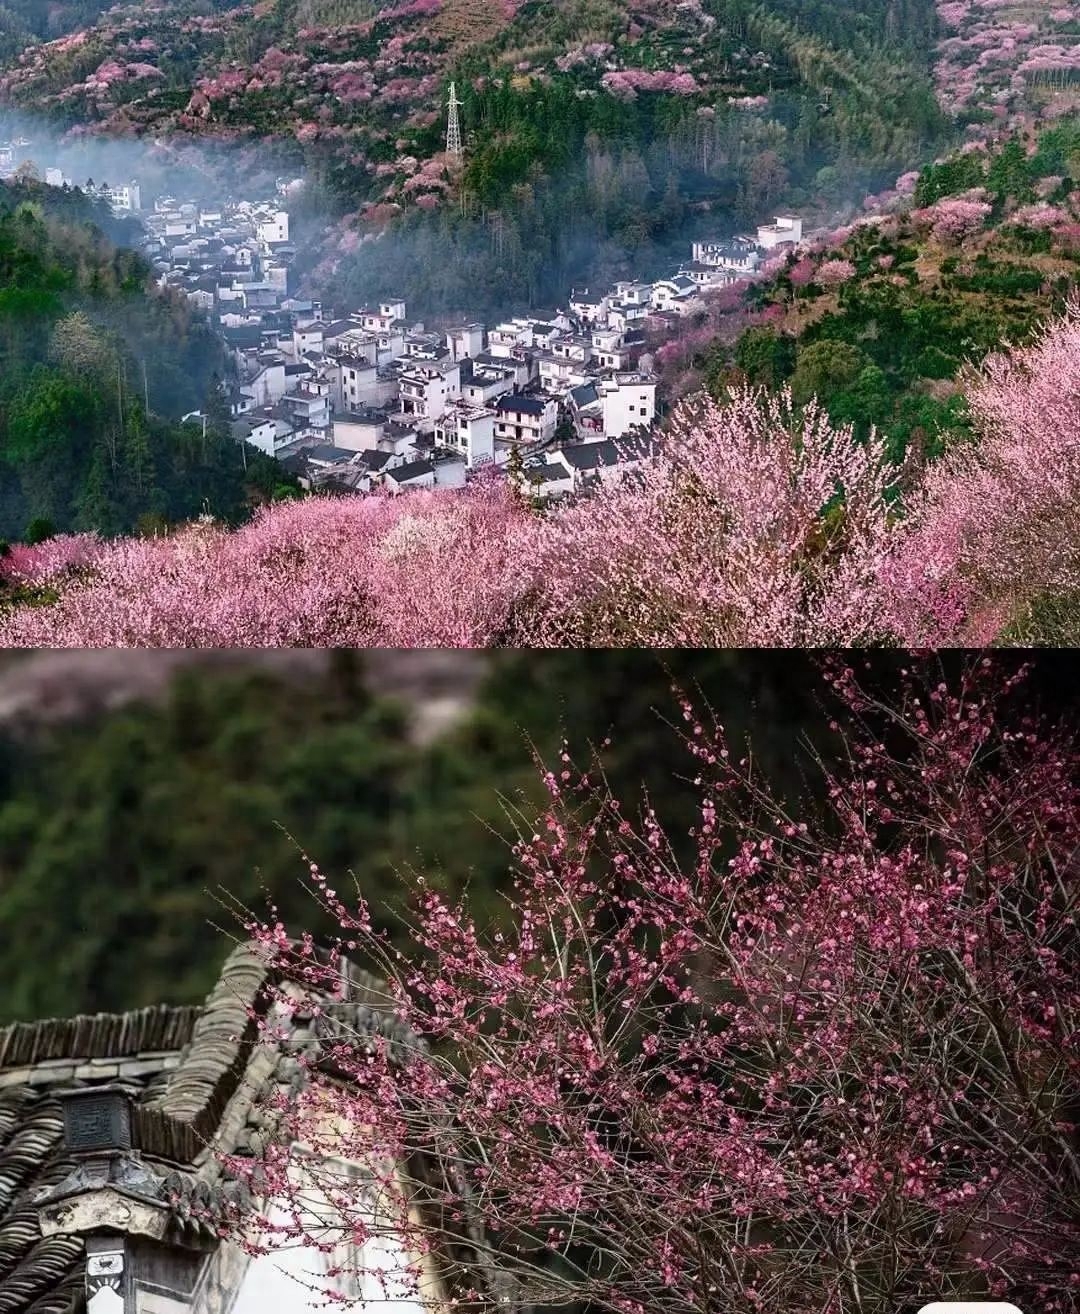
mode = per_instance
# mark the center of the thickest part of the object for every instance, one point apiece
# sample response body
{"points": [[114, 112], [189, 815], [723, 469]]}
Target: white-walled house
{"points": [[633, 294], [559, 374], [628, 402], [420, 345], [548, 478], [521, 419], [520, 367], [602, 462], [468, 431], [608, 349], [707, 276], [360, 432], [573, 347], [384, 318], [178, 225], [511, 338], [117, 1209], [679, 295], [623, 315], [273, 227], [411, 475], [426, 390], [286, 430], [307, 336], [309, 406], [465, 340], [380, 348], [268, 383], [355, 382], [783, 230], [481, 385], [260, 432], [589, 306], [739, 255], [125, 198], [399, 438]]}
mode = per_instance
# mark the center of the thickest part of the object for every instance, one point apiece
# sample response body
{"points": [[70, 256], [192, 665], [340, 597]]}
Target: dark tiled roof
{"points": [[325, 452], [44, 1275], [182, 1067], [516, 403], [410, 470], [590, 456], [242, 335], [551, 473]]}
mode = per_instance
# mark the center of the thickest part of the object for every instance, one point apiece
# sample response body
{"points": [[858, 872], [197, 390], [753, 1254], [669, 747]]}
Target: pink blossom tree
{"points": [[802, 272], [754, 525], [824, 1064], [995, 526], [734, 535], [832, 273], [953, 219], [428, 570]]}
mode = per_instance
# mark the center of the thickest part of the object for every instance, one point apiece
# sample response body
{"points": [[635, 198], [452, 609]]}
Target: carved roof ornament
{"points": [[112, 1129]]}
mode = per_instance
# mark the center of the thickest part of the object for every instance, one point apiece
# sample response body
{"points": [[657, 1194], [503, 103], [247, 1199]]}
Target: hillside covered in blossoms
{"points": [[870, 441], [857, 456], [760, 524], [630, 118]]}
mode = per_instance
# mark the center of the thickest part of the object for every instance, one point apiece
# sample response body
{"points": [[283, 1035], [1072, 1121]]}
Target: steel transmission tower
{"points": [[453, 129]]}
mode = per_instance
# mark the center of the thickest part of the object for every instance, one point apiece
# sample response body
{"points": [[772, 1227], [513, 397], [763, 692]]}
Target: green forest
{"points": [[252, 770], [24, 21], [246, 767], [572, 174], [93, 358]]}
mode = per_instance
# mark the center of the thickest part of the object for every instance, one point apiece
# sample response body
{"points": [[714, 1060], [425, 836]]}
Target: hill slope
{"points": [[633, 117], [92, 356], [880, 319]]}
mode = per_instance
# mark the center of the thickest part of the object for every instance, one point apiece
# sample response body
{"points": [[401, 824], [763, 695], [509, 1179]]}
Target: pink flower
{"points": [[802, 272], [795, 1015], [952, 219], [831, 273], [993, 526]]}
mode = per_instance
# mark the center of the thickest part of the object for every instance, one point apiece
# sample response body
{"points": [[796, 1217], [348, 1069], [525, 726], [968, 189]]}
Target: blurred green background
{"points": [[136, 788]]}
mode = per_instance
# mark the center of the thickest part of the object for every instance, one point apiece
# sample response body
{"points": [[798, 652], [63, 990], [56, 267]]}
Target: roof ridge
{"points": [[222, 1038], [155, 1028]]}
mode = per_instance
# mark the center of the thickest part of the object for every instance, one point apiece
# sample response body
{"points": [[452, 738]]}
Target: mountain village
{"points": [[358, 399]]}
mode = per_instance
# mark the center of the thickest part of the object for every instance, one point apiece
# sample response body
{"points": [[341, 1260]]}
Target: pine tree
{"points": [[515, 471], [216, 408]]}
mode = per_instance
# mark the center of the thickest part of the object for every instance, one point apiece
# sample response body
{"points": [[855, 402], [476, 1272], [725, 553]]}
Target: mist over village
{"points": [[539, 587], [351, 397], [561, 274]]}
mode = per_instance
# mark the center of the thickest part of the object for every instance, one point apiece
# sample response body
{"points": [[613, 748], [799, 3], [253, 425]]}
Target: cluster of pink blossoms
{"points": [[832, 273], [626, 83], [992, 528], [754, 524], [953, 219], [798, 1060]]}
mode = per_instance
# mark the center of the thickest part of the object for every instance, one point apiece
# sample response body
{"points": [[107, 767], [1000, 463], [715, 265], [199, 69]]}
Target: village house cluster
{"points": [[359, 399], [363, 399]]}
